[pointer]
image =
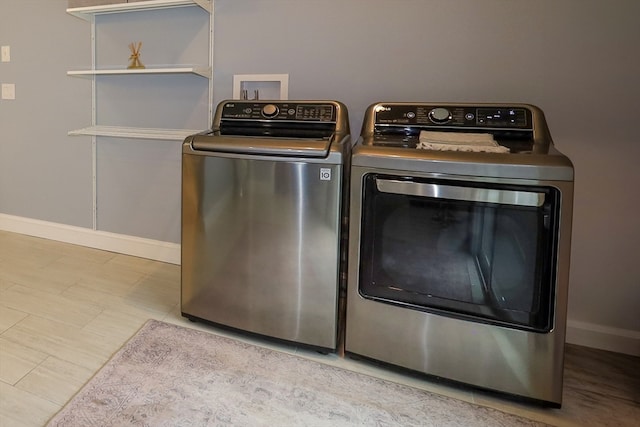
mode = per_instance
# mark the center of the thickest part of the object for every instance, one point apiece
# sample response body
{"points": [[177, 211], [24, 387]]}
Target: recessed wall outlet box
{"points": [[261, 86], [8, 91], [5, 53]]}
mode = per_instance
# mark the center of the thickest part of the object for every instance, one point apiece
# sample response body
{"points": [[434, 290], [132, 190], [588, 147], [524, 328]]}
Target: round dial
{"points": [[270, 110], [440, 115]]}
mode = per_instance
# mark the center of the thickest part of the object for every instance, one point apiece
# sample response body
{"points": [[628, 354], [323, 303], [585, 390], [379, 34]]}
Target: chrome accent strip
{"points": [[504, 197]]}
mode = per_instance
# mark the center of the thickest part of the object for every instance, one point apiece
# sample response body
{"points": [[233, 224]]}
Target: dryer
{"points": [[459, 245]]}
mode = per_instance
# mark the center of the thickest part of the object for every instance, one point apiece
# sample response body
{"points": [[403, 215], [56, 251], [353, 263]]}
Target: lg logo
{"points": [[325, 174]]}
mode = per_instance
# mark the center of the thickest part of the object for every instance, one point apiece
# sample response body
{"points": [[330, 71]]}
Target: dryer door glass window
{"points": [[485, 252]]}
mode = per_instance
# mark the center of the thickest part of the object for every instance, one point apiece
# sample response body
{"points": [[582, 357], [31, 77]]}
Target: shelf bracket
{"points": [[205, 4]]}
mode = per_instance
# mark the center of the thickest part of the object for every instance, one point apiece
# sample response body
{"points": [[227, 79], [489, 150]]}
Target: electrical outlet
{"points": [[261, 86], [8, 91], [5, 53]]}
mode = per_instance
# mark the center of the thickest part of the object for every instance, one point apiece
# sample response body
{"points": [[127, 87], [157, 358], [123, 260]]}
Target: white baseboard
{"points": [[120, 243], [603, 337]]}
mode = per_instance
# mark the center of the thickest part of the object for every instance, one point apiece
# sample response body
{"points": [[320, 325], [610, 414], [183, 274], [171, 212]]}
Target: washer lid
{"points": [[288, 147]]}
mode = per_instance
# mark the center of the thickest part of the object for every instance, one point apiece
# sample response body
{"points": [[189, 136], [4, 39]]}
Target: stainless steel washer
{"points": [[263, 219], [459, 245]]}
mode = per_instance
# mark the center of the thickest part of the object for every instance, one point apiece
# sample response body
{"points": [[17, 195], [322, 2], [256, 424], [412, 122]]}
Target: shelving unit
{"points": [[96, 74], [89, 14]]}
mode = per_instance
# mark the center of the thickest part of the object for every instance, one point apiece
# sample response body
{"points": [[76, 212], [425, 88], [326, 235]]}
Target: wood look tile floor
{"points": [[65, 309]]}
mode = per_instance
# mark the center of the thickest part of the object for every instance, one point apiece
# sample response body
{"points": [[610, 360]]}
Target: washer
{"points": [[263, 219], [459, 245]]}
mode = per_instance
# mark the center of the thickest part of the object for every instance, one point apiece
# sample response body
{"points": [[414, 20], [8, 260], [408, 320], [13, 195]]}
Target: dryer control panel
{"points": [[454, 116]]}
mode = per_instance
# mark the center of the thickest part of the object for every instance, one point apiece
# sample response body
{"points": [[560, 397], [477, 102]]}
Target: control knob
{"points": [[270, 110], [440, 115]]}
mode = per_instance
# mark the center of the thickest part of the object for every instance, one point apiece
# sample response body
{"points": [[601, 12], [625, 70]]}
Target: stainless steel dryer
{"points": [[263, 219], [459, 244]]}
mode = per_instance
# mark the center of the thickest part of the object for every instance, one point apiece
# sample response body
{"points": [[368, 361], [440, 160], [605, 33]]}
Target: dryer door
{"points": [[464, 249]]}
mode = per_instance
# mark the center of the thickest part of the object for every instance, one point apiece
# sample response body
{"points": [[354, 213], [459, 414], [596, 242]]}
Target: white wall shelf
{"points": [[88, 12], [136, 133], [200, 71]]}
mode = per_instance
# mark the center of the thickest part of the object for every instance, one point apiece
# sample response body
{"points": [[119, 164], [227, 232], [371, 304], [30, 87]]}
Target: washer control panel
{"points": [[451, 116], [279, 111]]}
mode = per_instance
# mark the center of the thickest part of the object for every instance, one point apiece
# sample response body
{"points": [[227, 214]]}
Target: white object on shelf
{"points": [[200, 71], [88, 12], [266, 86], [137, 133]]}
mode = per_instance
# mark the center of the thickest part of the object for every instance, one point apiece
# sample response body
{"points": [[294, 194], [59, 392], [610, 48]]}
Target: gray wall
{"points": [[47, 175], [576, 59], [138, 185], [43, 173]]}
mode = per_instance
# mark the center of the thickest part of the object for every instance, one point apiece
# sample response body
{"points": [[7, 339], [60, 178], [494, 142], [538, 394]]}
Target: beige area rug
{"points": [[168, 375]]}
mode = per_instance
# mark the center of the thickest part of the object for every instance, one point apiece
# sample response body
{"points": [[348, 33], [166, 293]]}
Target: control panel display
{"points": [[314, 112], [278, 111], [502, 117], [448, 116]]}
